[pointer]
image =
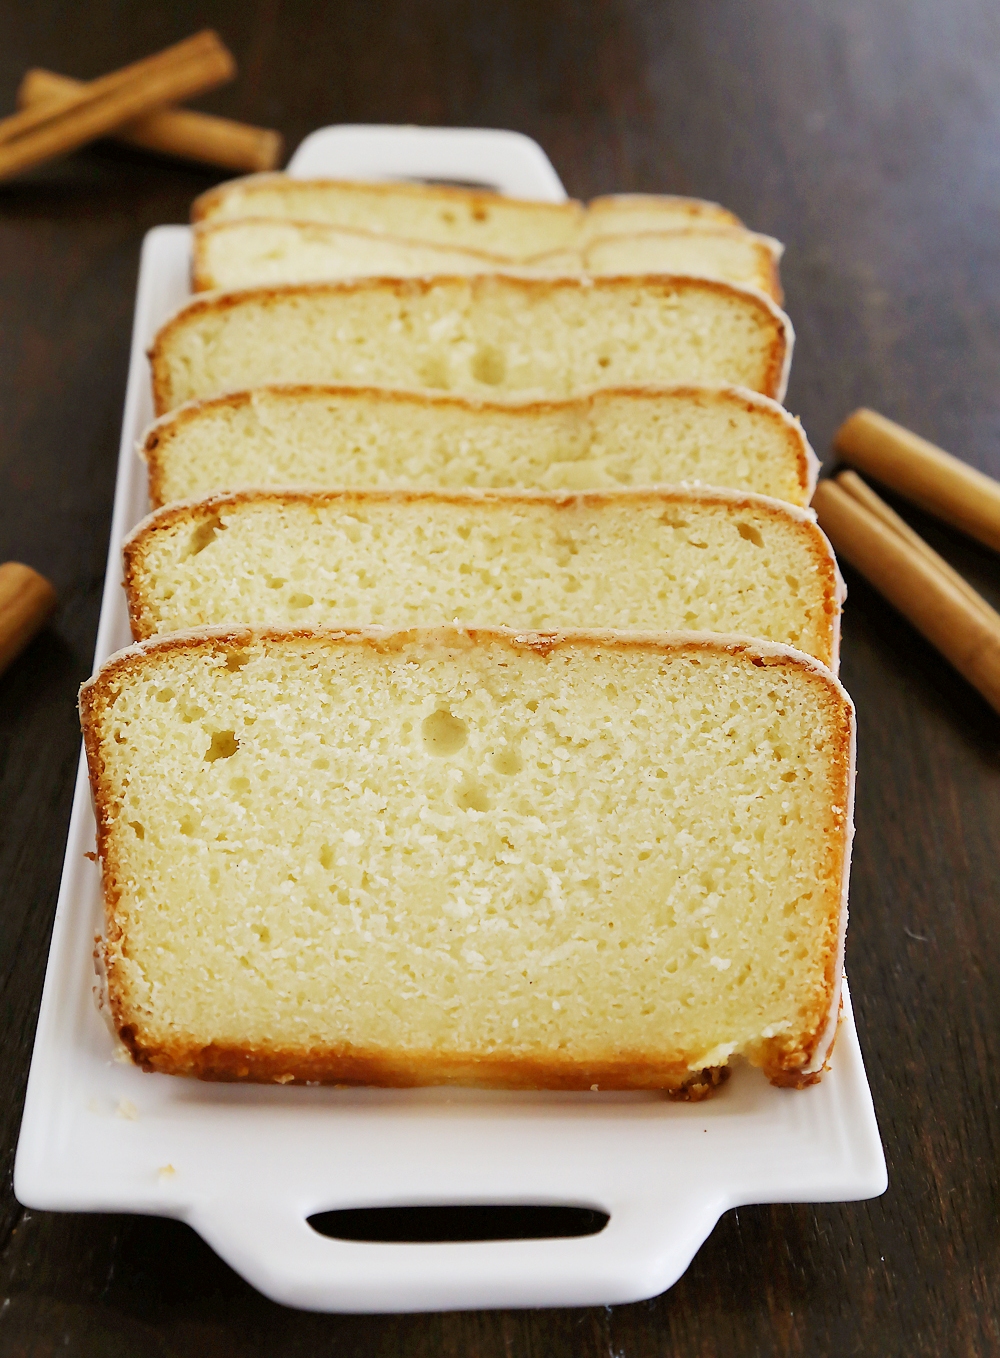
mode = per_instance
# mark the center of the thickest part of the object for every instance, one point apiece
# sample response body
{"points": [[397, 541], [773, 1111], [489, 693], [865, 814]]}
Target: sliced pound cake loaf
{"points": [[643, 560], [370, 436], [488, 335], [514, 860], [250, 250], [513, 227]]}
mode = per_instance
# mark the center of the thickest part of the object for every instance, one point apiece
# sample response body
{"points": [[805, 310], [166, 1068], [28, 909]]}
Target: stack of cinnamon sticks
{"points": [[133, 104], [895, 559]]}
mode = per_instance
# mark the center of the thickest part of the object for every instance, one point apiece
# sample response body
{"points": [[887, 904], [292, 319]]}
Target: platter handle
{"points": [[644, 1248], [487, 157]]}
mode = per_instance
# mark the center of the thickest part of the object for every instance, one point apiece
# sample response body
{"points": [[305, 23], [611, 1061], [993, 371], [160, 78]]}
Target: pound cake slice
{"points": [[250, 250], [513, 227], [371, 436], [444, 215], [489, 335], [643, 560], [558, 861]]}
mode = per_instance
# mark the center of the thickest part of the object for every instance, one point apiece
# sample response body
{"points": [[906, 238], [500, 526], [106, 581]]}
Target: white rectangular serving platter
{"points": [[246, 1165]]}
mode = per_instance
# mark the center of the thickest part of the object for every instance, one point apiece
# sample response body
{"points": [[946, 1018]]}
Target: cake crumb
{"points": [[594, 1088], [127, 1109], [166, 1172]]}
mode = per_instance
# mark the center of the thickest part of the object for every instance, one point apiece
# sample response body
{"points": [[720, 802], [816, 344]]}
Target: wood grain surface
{"points": [[865, 134]]}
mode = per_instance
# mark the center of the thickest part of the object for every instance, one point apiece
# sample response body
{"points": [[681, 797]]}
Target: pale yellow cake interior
{"points": [[483, 336], [633, 560], [604, 853], [247, 251], [321, 437], [736, 256], [499, 225], [240, 253], [516, 228], [619, 214]]}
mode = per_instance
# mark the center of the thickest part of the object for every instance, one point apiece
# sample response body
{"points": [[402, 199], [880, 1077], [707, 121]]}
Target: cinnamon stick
{"points": [[45, 130], [924, 473], [191, 50], [863, 493], [966, 635], [173, 131], [27, 601]]}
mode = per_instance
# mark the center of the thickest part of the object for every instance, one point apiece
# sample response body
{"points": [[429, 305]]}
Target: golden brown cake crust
{"points": [[786, 1061], [772, 379], [739, 397], [394, 1070]]}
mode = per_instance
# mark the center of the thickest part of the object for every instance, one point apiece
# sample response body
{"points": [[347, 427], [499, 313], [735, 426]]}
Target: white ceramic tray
{"points": [[249, 1164]]}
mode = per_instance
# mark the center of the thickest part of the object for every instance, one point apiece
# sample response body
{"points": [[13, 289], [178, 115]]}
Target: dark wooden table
{"points": [[865, 134]]}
